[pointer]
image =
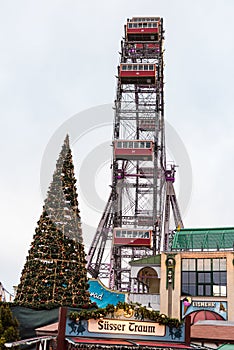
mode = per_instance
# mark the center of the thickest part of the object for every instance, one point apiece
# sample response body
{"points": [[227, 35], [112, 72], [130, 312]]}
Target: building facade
{"points": [[196, 279], [202, 281]]}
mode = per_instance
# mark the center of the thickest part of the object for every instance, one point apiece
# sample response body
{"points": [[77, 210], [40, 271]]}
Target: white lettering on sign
{"points": [[204, 304], [96, 296], [125, 327]]}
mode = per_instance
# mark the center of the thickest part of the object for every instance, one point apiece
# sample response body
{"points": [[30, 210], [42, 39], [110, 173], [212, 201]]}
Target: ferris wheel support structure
{"points": [[132, 225]]}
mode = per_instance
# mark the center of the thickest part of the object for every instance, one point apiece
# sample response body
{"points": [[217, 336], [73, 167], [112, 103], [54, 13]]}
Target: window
{"points": [[118, 233], [129, 234], [123, 234], [204, 277], [188, 264]]}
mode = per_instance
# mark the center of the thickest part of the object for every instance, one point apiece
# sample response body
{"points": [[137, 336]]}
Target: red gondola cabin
{"points": [[137, 73], [132, 237], [143, 29], [134, 150]]}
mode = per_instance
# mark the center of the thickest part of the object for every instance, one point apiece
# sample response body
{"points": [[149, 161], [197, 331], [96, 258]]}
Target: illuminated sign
{"points": [[120, 328], [125, 327]]}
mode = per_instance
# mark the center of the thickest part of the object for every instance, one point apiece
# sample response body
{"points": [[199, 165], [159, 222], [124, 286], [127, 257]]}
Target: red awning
{"points": [[161, 345], [204, 315], [75, 340], [128, 343]]}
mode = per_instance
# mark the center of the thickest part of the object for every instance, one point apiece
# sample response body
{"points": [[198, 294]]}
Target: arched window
{"points": [[149, 277]]}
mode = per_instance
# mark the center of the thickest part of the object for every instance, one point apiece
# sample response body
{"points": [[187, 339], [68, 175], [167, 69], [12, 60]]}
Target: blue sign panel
{"points": [[102, 295], [218, 307]]}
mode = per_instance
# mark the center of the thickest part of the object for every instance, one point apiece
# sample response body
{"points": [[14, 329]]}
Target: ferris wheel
{"points": [[135, 222]]}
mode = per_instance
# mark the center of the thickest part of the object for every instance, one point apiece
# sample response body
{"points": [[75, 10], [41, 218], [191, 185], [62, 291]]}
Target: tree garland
{"points": [[51, 305], [140, 312], [55, 272]]}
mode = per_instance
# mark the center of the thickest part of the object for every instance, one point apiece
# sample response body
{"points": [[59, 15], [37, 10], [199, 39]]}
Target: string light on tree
{"points": [[54, 273]]}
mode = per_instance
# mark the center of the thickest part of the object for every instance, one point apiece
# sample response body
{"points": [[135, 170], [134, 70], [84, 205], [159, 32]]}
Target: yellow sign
{"points": [[126, 327]]}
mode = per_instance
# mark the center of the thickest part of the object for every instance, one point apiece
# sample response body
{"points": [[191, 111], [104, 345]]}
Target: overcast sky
{"points": [[59, 58]]}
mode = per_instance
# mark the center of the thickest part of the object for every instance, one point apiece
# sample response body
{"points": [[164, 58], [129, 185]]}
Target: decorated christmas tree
{"points": [[54, 273]]}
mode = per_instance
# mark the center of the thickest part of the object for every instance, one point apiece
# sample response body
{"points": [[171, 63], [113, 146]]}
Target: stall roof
{"points": [[226, 347], [139, 344], [162, 345], [203, 239], [213, 330], [50, 328], [99, 341], [151, 260], [28, 341]]}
